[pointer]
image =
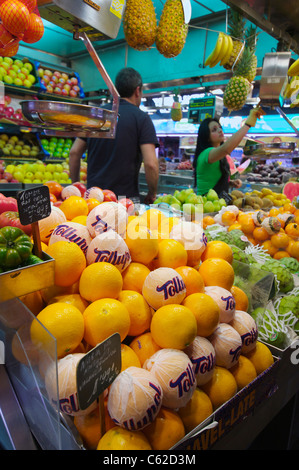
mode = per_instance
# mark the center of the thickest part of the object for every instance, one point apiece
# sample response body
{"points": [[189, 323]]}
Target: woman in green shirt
{"points": [[210, 164]]}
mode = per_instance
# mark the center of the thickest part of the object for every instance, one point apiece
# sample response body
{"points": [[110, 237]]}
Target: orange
{"points": [[260, 234], [280, 240], [139, 311], [144, 346], [192, 279], [235, 226], [119, 438], [89, 427], [207, 220], [74, 206], [166, 430], [100, 280], [289, 207], [217, 272], [247, 224], [128, 357], [70, 262], [228, 218], [171, 254], [142, 246], [92, 203], [206, 312], [281, 254], [134, 276], [103, 318], [197, 410], [269, 247], [54, 188], [218, 249], [273, 212], [222, 386], [153, 218], [63, 321], [292, 230], [80, 219], [166, 224], [244, 372], [241, 298], [261, 357], [73, 299], [173, 326], [293, 248]]}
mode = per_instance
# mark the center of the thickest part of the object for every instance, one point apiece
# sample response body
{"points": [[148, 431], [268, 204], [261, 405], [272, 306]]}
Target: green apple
{"points": [[18, 175], [28, 66], [29, 175], [8, 60], [208, 207], [8, 79], [18, 82], [31, 78]]}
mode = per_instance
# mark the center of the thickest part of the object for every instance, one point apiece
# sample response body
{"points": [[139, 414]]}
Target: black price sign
{"points": [[98, 369], [34, 204]]}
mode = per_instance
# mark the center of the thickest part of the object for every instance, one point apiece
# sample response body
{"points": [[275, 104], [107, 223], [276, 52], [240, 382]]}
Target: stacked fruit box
{"points": [[58, 82]]}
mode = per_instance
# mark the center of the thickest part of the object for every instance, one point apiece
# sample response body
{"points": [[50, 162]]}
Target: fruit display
{"points": [[186, 200], [64, 84], [175, 357], [11, 112], [56, 147], [38, 172], [271, 173], [17, 146], [17, 72], [264, 199]]}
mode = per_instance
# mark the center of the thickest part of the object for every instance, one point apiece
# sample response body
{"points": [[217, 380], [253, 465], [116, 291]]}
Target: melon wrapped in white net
{"points": [[227, 344], [203, 357], [163, 286], [71, 232], [192, 237], [111, 248], [107, 216], [135, 398], [174, 371], [246, 326], [225, 300]]}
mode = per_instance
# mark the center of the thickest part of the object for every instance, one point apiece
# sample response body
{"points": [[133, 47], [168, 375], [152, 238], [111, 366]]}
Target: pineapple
{"points": [[250, 44], [176, 110], [236, 92], [172, 29], [236, 28], [140, 24]]}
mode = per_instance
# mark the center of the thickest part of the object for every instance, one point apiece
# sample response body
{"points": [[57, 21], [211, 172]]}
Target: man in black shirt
{"points": [[115, 163]]}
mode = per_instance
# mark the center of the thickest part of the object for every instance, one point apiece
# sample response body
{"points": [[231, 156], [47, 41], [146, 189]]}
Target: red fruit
{"points": [[109, 195], [15, 17], [11, 219], [129, 205], [8, 204], [7, 176], [81, 187], [30, 4], [35, 30], [5, 36]]}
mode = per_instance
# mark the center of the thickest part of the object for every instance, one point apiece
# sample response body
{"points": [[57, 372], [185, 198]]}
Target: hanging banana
{"points": [[294, 69], [229, 51], [222, 51], [215, 52]]}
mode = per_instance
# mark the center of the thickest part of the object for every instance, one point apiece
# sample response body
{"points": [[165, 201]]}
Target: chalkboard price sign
{"points": [[34, 204], [98, 369]]}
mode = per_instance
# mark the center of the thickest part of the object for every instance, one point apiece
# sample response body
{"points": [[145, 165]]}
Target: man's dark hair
{"points": [[126, 82]]}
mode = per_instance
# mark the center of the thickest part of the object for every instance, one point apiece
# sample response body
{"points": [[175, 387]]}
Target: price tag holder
{"points": [[34, 204], [98, 369]]}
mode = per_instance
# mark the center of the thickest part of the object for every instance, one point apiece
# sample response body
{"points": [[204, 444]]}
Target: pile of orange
{"points": [[90, 302]]}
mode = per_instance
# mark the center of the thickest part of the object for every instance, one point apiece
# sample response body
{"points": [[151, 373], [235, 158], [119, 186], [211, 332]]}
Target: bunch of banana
{"points": [[291, 87], [294, 69], [222, 50]]}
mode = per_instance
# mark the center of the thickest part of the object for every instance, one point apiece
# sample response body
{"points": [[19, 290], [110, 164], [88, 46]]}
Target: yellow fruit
{"points": [[221, 388], [261, 357], [134, 398], [196, 410], [63, 321], [128, 357], [74, 206], [167, 429], [241, 298], [192, 279], [228, 218], [89, 427], [80, 219], [70, 262], [144, 346], [218, 249], [217, 272], [103, 318], [153, 218], [244, 372], [118, 438], [163, 286], [74, 299], [206, 312], [134, 276], [139, 311], [171, 254], [174, 371], [142, 245], [173, 326], [100, 280]]}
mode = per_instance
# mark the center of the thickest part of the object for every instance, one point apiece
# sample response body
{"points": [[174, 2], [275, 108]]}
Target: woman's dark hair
{"points": [[203, 141], [126, 82]]}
